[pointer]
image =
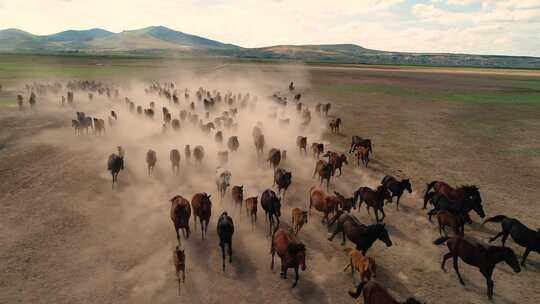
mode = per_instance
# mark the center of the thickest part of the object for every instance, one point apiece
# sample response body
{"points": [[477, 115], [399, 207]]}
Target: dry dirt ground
{"points": [[66, 237]]}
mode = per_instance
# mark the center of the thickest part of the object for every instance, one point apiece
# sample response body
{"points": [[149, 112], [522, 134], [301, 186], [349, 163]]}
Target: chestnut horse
{"points": [[299, 218], [292, 254], [361, 235], [323, 202], [180, 214], [251, 209], [375, 293], [484, 258], [202, 209]]}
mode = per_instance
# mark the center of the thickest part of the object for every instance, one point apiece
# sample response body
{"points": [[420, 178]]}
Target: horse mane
{"points": [[175, 198], [296, 248], [469, 188]]}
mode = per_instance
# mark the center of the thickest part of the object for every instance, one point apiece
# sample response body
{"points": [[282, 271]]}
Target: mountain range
{"points": [[164, 42]]}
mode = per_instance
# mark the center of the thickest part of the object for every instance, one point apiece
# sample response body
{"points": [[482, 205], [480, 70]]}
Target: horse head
{"points": [[382, 234], [407, 185], [510, 258], [298, 253], [472, 196], [343, 158]]}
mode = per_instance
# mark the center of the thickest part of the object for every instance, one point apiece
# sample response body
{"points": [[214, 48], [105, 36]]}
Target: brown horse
{"points": [[175, 160], [373, 198], [251, 209], [274, 157], [292, 254], [151, 160], [396, 187], [451, 193], [299, 218], [283, 179], [448, 219], [202, 209], [237, 193], [179, 259], [357, 141], [301, 143], [335, 125], [180, 214], [336, 161], [362, 155], [317, 149], [198, 153], [484, 258], [259, 144], [322, 202], [324, 170], [365, 265], [375, 293]]}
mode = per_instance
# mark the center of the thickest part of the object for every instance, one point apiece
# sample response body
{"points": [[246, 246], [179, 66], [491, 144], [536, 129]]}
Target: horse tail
{"points": [[440, 240], [355, 294], [429, 187], [495, 219]]}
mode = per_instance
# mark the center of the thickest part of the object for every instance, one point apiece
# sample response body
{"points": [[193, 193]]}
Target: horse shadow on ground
{"points": [[309, 292]]}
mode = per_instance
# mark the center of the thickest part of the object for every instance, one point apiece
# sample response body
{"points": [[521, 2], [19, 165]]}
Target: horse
{"points": [[446, 218], [299, 218], [259, 144], [282, 178], [396, 187], [187, 152], [291, 253], [225, 230], [325, 108], [323, 202], [336, 161], [180, 214], [202, 209], [198, 153], [461, 207], [324, 170], [373, 198], [233, 143], [219, 137], [179, 260], [115, 163], [484, 258], [175, 124], [453, 194], [362, 154], [271, 205], [521, 234], [251, 209], [365, 265], [274, 157], [375, 293], [361, 235], [317, 149], [175, 160], [334, 125], [237, 193], [357, 141], [223, 180], [151, 160], [301, 143]]}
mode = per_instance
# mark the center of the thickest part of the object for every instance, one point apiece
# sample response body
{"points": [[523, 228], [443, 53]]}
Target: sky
{"points": [[501, 27]]}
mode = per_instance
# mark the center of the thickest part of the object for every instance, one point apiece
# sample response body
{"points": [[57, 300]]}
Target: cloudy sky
{"points": [[509, 27]]}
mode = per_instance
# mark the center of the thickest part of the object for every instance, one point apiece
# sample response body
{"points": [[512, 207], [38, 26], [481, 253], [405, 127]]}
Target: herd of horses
{"points": [[451, 206]]}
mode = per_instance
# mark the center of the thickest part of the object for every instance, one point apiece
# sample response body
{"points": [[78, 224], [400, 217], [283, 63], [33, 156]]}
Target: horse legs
{"points": [[527, 251], [456, 268], [504, 237], [297, 276], [222, 245], [445, 257], [383, 214], [397, 202], [342, 237]]}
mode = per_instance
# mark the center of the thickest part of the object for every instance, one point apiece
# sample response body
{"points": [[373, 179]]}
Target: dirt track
{"points": [[67, 238]]}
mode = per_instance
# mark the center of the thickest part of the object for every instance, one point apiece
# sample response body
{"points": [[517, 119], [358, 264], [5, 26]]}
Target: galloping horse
{"points": [[225, 230], [396, 187], [484, 258], [375, 293], [292, 254], [271, 205], [223, 180], [202, 209], [361, 235], [180, 214], [323, 202], [115, 164], [373, 198]]}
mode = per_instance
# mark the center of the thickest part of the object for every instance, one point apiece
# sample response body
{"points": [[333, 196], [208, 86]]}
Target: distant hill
{"points": [[163, 41]]}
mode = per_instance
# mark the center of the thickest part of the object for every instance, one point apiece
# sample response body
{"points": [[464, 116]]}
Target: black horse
{"points": [[396, 187], [225, 230], [458, 207], [271, 205], [521, 234], [361, 235], [115, 164]]}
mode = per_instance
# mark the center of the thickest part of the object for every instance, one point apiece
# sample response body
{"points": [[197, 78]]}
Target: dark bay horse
{"points": [[202, 209], [373, 198], [283, 179], [115, 163], [467, 192], [225, 230], [396, 187], [357, 141], [180, 214], [460, 207], [361, 235], [292, 254], [484, 258], [271, 205], [375, 293], [325, 171], [521, 234]]}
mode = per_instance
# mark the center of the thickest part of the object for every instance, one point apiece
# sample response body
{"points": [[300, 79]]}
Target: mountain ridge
{"points": [[163, 41]]}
